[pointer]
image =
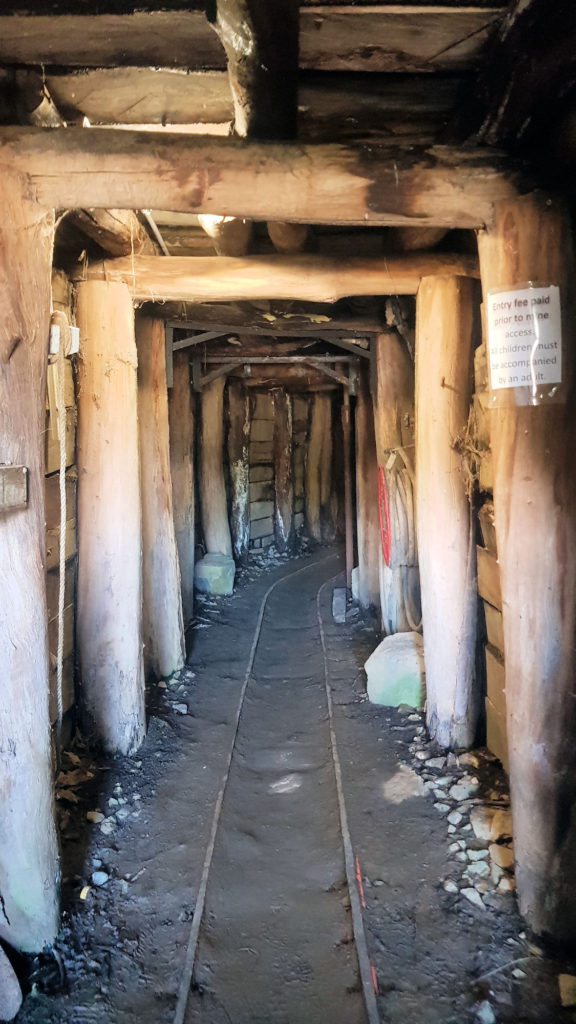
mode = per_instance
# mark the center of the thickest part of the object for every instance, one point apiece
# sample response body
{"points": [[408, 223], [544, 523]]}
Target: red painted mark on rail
{"points": [[374, 979], [359, 880]]}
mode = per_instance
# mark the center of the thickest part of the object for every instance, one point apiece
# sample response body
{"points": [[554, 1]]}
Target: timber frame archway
{"points": [[522, 237]]}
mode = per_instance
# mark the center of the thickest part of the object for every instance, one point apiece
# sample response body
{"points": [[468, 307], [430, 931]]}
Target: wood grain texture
{"points": [[213, 502], [306, 278], [311, 184], [283, 477], [318, 469], [238, 447], [181, 402], [109, 609], [162, 626], [535, 517], [29, 874], [367, 523], [447, 553]]}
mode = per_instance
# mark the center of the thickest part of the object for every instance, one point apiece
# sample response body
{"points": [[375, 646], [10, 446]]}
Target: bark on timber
{"points": [[162, 626], [181, 401], [29, 873], [535, 509], [213, 502], [238, 437]]}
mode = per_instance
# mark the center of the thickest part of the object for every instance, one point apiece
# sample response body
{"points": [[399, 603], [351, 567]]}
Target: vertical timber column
{"points": [[534, 453], [181, 426], [109, 601], [29, 873], [446, 548], [394, 429], [239, 463], [212, 486], [318, 468], [348, 504], [162, 627], [283, 480], [367, 528]]}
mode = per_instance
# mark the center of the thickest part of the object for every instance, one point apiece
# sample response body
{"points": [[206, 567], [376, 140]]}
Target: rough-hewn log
{"points": [[261, 46], [117, 232], [348, 503], [29, 874], [109, 594], [309, 278], [535, 507], [394, 429], [316, 184], [528, 68], [367, 524], [446, 543], [288, 238], [181, 402], [213, 503], [238, 438], [318, 469], [331, 38], [162, 627], [413, 239], [283, 480], [230, 235]]}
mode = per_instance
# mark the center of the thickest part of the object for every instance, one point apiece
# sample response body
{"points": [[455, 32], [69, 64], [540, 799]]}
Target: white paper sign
{"points": [[524, 338]]}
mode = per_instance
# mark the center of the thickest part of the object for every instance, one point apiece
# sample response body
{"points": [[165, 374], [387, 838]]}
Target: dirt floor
{"points": [[276, 942]]}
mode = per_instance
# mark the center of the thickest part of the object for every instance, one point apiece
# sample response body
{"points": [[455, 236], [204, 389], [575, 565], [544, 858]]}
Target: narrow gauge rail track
{"points": [[366, 974]]}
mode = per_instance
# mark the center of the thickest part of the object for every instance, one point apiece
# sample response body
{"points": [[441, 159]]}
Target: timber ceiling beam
{"points": [[77, 168], [304, 278], [332, 38], [529, 71], [250, 319]]}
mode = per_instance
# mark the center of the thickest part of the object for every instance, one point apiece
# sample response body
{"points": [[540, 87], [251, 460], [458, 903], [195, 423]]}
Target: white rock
{"points": [[451, 830], [214, 574], [477, 854], [478, 869], [181, 709], [436, 762], [469, 759], [395, 671], [442, 808], [10, 992], [506, 884], [473, 896], [450, 886], [484, 1013], [108, 826], [459, 792], [454, 817], [420, 755], [462, 856], [99, 878], [454, 847]]}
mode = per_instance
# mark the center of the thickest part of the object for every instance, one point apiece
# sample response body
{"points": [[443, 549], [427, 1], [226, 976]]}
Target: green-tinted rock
{"points": [[214, 574], [395, 671]]}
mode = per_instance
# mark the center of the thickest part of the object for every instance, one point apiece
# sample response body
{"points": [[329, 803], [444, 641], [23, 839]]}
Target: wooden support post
{"points": [[283, 479], [447, 552], [348, 505], [394, 429], [109, 602], [162, 627], [367, 525], [318, 469], [181, 423], [535, 509], [29, 873], [212, 486], [239, 464]]}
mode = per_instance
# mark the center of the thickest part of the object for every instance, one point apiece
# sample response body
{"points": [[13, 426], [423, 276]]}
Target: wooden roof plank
{"points": [[375, 38]]}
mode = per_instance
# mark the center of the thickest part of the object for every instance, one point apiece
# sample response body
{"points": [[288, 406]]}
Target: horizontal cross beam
{"points": [[310, 278], [81, 168]]}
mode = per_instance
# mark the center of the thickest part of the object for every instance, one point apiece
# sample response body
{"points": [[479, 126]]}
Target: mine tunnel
{"points": [[287, 513]]}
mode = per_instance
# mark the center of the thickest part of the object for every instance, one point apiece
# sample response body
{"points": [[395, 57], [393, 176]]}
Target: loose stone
{"points": [[442, 808], [503, 856], [473, 896], [454, 817], [450, 886]]}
